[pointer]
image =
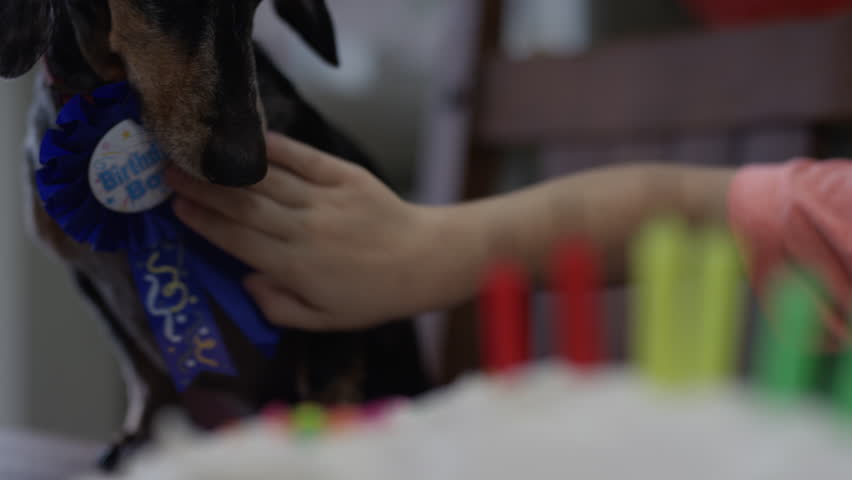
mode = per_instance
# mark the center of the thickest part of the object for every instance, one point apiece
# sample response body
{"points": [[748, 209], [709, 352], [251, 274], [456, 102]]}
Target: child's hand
{"points": [[799, 212], [333, 247]]}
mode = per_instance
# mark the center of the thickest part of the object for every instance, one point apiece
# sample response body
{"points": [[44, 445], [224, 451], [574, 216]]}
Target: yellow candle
{"points": [[659, 258], [720, 306]]}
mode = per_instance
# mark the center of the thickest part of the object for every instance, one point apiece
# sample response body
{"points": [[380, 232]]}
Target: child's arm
{"points": [[799, 211], [335, 248], [605, 206]]}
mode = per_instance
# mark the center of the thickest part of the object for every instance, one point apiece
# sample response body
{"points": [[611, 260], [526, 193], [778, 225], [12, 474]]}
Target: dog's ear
{"points": [[312, 21], [25, 34], [92, 24]]}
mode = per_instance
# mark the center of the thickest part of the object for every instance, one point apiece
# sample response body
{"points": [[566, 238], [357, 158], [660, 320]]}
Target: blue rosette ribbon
{"points": [[101, 179]]}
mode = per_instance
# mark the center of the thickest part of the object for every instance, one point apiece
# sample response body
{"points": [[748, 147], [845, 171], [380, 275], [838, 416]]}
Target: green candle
{"points": [[843, 384], [308, 420], [790, 337]]}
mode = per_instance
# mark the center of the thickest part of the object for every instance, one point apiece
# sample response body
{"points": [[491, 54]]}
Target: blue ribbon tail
{"points": [[180, 317], [219, 279]]}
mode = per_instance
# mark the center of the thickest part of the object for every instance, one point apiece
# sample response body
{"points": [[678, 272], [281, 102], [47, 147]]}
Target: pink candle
{"points": [[276, 414]]}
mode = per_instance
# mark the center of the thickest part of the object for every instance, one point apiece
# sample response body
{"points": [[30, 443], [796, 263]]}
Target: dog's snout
{"points": [[235, 161]]}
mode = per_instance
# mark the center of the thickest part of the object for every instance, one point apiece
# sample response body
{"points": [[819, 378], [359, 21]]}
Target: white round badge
{"points": [[126, 170]]}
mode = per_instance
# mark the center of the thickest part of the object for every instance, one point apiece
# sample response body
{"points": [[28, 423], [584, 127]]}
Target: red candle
{"points": [[504, 312], [579, 320]]}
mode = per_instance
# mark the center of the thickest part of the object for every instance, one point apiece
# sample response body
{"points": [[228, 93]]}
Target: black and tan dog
{"points": [[207, 94]]}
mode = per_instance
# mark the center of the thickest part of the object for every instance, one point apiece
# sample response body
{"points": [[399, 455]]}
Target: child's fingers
{"points": [[307, 162], [813, 251], [285, 188], [283, 308], [253, 247], [279, 185], [241, 206]]}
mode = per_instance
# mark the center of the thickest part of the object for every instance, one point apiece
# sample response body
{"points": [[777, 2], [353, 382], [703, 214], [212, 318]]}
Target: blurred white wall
{"points": [[73, 387], [391, 51], [13, 102], [545, 27], [57, 374], [388, 49]]}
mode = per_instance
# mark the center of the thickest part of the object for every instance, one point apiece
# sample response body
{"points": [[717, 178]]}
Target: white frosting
{"points": [[547, 424]]}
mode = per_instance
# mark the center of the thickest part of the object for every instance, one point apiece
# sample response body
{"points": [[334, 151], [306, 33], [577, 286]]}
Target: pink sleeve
{"points": [[798, 211]]}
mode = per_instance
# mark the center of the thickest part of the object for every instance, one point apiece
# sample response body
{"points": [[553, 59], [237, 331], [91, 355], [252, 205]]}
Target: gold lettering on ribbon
{"points": [[174, 288], [202, 346]]}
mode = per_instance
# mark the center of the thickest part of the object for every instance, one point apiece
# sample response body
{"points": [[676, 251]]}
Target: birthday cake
{"points": [[545, 422]]}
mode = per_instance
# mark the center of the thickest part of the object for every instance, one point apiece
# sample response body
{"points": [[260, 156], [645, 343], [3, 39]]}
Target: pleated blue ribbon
{"points": [[101, 179]]}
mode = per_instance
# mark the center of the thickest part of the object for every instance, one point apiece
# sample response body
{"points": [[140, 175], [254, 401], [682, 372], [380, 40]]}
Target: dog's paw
{"points": [[115, 454]]}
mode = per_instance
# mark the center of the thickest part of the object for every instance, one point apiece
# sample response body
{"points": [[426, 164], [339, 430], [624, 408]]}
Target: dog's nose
{"points": [[235, 163]]}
